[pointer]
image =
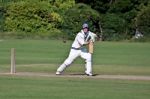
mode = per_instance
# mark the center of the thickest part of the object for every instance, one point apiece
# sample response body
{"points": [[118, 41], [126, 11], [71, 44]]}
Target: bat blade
{"points": [[91, 47]]}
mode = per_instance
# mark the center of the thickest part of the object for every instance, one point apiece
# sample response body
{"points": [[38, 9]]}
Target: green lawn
{"points": [[46, 55], [16, 87]]}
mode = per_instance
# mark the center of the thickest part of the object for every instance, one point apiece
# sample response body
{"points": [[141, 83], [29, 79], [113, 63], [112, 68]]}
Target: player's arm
{"points": [[81, 40]]}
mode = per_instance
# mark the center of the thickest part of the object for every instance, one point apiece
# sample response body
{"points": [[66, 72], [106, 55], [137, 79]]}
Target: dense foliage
{"points": [[110, 19], [143, 20], [36, 18], [122, 17], [76, 16]]}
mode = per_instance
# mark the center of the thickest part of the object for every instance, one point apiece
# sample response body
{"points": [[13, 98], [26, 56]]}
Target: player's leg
{"points": [[72, 56], [88, 60]]}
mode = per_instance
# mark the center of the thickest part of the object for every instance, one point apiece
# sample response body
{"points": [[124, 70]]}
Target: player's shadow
{"points": [[81, 74]]}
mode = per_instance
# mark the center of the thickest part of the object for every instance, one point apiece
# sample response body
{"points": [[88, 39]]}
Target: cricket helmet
{"points": [[85, 25]]}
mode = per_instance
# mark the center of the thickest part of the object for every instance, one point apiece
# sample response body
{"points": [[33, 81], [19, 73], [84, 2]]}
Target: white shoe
{"points": [[58, 73], [89, 74]]}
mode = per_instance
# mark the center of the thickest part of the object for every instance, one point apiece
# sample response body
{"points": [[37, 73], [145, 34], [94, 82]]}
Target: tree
{"points": [[114, 27], [125, 10], [1, 18], [101, 6], [142, 20], [120, 6], [76, 16]]}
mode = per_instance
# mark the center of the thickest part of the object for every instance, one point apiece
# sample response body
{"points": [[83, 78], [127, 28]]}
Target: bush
{"points": [[29, 18]]}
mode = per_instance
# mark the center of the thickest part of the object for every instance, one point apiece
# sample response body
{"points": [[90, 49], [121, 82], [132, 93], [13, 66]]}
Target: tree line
{"points": [[109, 19]]}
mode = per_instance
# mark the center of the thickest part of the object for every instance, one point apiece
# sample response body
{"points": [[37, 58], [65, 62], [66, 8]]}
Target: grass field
{"points": [[46, 55], [16, 87]]}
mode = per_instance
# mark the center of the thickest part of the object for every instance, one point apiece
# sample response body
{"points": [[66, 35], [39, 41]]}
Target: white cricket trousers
{"points": [[73, 55]]}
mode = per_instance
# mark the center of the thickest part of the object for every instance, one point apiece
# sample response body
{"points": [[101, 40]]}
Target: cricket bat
{"points": [[91, 47]]}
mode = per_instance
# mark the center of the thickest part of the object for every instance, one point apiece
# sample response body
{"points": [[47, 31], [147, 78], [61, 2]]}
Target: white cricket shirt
{"points": [[79, 40]]}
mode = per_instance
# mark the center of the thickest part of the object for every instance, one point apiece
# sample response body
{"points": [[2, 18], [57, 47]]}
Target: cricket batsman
{"points": [[83, 47]]}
